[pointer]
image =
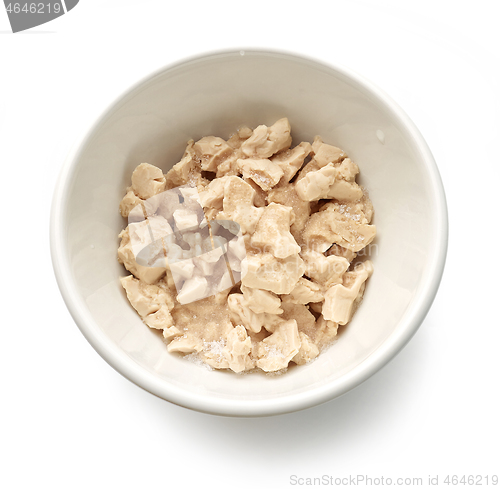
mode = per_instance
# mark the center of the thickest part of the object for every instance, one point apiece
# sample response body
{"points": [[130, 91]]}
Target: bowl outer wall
{"points": [[372, 364]]}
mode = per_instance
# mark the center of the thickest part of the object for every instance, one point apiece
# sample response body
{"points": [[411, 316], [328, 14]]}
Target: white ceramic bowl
{"points": [[213, 95]]}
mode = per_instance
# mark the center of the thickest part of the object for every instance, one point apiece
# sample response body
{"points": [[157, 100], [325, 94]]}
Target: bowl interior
{"points": [[214, 95]]}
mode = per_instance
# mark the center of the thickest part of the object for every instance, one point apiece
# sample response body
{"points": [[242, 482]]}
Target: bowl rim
{"points": [[412, 320]]}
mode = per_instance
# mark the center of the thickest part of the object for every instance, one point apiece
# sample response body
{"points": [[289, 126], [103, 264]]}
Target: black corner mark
{"points": [[70, 4], [25, 14]]}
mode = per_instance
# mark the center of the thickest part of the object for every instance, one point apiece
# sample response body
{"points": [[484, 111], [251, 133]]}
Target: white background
{"points": [[68, 420]]}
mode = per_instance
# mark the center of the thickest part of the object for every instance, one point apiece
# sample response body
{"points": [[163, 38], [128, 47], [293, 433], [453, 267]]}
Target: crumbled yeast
{"points": [[276, 295]]}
